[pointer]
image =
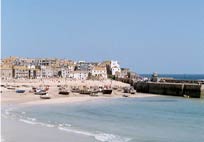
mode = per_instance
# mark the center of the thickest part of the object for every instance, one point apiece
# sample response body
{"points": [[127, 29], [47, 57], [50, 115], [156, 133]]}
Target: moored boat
{"points": [[20, 91], [125, 95], [40, 92], [130, 90], [63, 92], [11, 88], [107, 91], [45, 96], [84, 91]]}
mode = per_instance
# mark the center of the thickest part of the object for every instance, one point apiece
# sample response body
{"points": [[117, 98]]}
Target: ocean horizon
{"points": [[179, 76]]}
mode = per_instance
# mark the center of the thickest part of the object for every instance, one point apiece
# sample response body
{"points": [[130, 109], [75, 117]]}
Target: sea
{"points": [[148, 119], [179, 76]]}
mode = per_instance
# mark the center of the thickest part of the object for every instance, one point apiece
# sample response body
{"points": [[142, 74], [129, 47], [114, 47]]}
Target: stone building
{"points": [[79, 75], [99, 72], [6, 72], [21, 72]]}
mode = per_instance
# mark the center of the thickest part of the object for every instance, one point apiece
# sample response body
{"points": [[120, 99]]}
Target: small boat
{"points": [[84, 91], [20, 91], [11, 88], [125, 95], [115, 88], [64, 92], [25, 86], [129, 90], [126, 90], [186, 96], [132, 91], [45, 96], [107, 91], [75, 90], [41, 92]]}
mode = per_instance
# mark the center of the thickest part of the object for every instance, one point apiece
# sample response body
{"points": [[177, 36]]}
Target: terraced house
{"points": [[6, 72], [99, 72]]}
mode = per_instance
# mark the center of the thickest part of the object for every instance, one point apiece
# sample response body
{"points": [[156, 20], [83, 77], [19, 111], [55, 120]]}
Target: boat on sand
{"points": [[45, 96], [20, 91]]}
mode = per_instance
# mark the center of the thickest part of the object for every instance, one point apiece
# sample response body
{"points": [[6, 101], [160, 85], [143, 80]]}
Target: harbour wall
{"points": [[172, 89], [192, 90]]}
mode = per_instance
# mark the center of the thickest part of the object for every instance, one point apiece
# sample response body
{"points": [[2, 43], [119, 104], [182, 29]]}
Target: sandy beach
{"points": [[103, 118], [11, 97]]}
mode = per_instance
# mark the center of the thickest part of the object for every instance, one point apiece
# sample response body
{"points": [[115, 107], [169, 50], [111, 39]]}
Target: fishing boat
{"points": [[40, 92], [85, 91], [125, 95], [64, 92], [45, 96], [11, 88], [107, 91], [129, 90], [20, 91], [25, 86], [132, 91], [75, 90]]}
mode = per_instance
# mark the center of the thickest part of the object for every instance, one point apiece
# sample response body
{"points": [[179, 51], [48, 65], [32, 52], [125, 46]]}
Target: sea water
{"points": [[151, 119], [179, 76]]}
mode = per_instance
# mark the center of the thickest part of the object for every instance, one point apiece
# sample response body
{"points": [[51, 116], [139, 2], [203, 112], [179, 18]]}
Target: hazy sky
{"points": [[144, 35]]}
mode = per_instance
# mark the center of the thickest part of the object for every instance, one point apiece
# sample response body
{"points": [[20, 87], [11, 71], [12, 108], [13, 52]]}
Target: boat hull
{"points": [[108, 91], [20, 91]]}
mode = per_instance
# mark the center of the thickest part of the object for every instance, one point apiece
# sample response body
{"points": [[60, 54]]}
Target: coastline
{"points": [[85, 122], [10, 97]]}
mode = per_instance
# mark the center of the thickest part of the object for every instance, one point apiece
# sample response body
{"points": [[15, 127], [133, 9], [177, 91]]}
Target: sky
{"points": [[143, 35]]}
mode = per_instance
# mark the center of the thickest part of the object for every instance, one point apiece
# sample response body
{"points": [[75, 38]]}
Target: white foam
{"points": [[36, 123], [23, 112], [111, 138], [103, 137], [75, 131], [27, 121], [32, 119], [60, 125], [46, 125], [68, 125]]}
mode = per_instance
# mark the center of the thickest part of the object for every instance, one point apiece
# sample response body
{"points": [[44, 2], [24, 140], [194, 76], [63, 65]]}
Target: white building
{"points": [[79, 75], [99, 72], [47, 71], [115, 67], [71, 68], [65, 72]]}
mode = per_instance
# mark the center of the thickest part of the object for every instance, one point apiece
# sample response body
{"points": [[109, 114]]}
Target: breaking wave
{"points": [[103, 137]]}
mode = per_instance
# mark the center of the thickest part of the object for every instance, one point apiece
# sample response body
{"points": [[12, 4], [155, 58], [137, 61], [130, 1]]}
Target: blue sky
{"points": [[145, 35]]}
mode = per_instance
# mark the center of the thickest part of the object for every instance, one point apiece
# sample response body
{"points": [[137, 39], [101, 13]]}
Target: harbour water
{"points": [[179, 76], [151, 119]]}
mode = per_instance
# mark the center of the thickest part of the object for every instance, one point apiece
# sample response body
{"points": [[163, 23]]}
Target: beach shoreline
{"points": [[10, 97], [11, 100]]}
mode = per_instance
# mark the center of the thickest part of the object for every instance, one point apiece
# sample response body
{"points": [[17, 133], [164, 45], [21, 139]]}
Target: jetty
{"points": [[191, 90], [167, 86]]}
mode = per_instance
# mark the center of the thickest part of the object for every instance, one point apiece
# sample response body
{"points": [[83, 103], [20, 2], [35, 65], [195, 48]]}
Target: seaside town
{"points": [[90, 78], [43, 76], [27, 68]]}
